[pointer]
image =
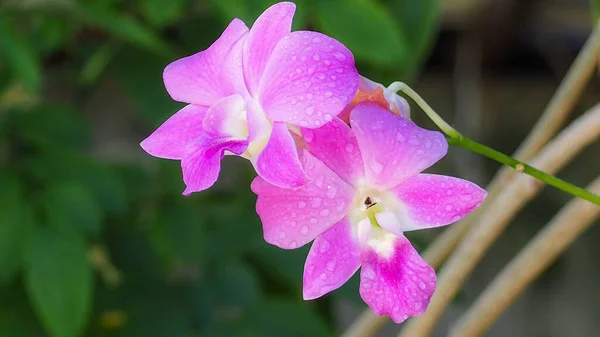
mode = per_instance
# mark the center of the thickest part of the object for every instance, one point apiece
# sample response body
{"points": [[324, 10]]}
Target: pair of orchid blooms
{"points": [[338, 160]]}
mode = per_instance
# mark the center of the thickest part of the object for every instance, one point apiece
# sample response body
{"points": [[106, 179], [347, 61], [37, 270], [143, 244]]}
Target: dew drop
{"points": [[316, 202], [349, 147], [313, 220], [301, 204], [309, 110], [324, 246], [330, 265], [339, 56], [422, 285], [328, 94], [304, 230], [316, 57], [376, 166], [324, 213]]}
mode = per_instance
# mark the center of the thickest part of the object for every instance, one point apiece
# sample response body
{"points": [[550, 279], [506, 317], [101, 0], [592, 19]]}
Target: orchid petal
{"points": [[398, 286], [292, 217], [308, 80], [206, 76], [201, 166], [278, 162], [335, 145], [272, 25], [169, 141], [435, 200], [396, 102], [226, 118], [333, 258], [393, 148]]}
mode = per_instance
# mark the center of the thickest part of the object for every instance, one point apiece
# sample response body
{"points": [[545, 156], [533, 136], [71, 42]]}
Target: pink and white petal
{"points": [[201, 166], [226, 118], [259, 125], [292, 217], [434, 200], [308, 81], [333, 258], [393, 148], [213, 73], [272, 25], [278, 163], [335, 145], [170, 140], [398, 286]]}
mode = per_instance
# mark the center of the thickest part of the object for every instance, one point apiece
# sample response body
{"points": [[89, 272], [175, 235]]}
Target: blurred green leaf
{"points": [[249, 10], [120, 25], [97, 63], [275, 317], [365, 27], [285, 265], [595, 10], [50, 125], [140, 75], [225, 296], [16, 316], [180, 234], [59, 281], [419, 22], [56, 166], [155, 317], [160, 12], [70, 205], [19, 55], [16, 227]]}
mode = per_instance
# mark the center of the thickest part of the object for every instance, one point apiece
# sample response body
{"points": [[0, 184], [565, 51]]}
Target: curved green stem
{"points": [[522, 167], [456, 139]]}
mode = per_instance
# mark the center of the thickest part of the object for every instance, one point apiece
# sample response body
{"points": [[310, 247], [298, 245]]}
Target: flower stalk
{"points": [[457, 139]]}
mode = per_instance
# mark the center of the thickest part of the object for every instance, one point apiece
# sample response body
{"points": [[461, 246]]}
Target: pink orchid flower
{"points": [[366, 190], [246, 91]]}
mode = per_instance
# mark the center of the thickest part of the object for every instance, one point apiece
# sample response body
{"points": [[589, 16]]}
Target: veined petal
{"points": [[216, 72], [393, 148], [435, 200], [398, 286], [278, 162], [308, 80], [292, 217], [170, 140], [272, 25], [201, 165], [227, 118], [335, 145], [333, 258]]}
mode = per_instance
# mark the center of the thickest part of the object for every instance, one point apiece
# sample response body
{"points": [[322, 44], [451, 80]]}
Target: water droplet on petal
{"points": [[324, 213], [316, 57], [324, 246], [330, 265], [349, 147], [304, 230], [422, 285], [316, 202], [301, 204], [376, 166], [339, 56], [313, 221]]}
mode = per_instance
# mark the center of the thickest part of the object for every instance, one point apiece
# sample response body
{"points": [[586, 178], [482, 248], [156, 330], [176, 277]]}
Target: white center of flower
{"points": [[376, 220]]}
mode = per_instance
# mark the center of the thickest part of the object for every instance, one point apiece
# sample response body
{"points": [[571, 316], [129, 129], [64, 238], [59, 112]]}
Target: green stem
{"points": [[522, 167], [456, 139]]}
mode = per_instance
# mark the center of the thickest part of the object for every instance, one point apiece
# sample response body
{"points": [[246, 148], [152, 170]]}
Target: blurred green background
{"points": [[95, 236]]}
